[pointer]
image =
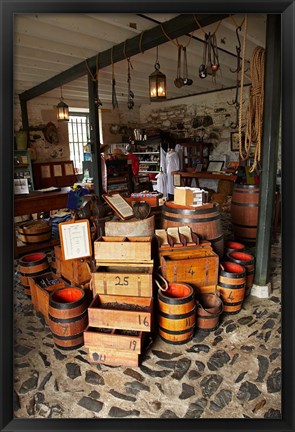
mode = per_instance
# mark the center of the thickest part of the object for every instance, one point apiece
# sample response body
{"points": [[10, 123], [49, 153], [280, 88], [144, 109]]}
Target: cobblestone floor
{"points": [[232, 372]]}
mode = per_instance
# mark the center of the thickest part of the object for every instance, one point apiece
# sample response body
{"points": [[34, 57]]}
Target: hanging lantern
{"points": [[157, 83], [62, 109]]}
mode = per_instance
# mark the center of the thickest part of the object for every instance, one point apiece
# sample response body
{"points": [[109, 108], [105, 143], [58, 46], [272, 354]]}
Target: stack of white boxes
{"points": [[190, 196]]}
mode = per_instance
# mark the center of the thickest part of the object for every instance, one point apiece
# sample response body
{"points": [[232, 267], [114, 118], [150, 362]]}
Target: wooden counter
{"points": [[186, 177], [36, 202]]}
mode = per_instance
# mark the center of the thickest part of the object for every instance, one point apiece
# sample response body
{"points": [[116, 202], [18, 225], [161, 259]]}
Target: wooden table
{"points": [[186, 177], [36, 202]]}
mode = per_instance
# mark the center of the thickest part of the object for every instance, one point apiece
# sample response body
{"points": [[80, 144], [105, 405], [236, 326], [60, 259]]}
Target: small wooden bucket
{"points": [[67, 316], [31, 265], [35, 231], [246, 260], [209, 309], [231, 286], [233, 246], [176, 314]]}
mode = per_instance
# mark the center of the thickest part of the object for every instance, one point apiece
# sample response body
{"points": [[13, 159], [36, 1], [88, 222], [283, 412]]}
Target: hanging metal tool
{"points": [[130, 102], [203, 66], [179, 82], [186, 80], [237, 71], [114, 96]]}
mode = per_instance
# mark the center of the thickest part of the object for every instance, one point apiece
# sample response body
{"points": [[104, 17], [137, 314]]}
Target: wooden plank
{"points": [[120, 318], [114, 340], [137, 281], [113, 357], [137, 249]]}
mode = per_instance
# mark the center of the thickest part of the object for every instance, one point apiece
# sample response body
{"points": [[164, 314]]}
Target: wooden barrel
{"points": [[68, 317], [231, 286], [31, 265], [204, 221], [35, 231], [244, 212], [246, 260], [233, 246], [209, 309], [176, 314]]}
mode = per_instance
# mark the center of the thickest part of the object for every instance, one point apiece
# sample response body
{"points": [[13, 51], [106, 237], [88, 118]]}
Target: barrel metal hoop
{"points": [[67, 320], [189, 212], [231, 286], [32, 263], [244, 204], [177, 317], [208, 317], [188, 220], [244, 226], [233, 275], [247, 187], [35, 234], [177, 332], [76, 336], [62, 306], [172, 301], [34, 274], [233, 304]]}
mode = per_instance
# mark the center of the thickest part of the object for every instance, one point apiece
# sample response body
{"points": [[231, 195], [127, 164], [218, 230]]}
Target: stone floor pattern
{"points": [[231, 372]]}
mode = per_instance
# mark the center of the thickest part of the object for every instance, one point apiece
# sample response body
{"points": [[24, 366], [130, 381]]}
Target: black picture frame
{"points": [[215, 166], [7, 421], [234, 141]]}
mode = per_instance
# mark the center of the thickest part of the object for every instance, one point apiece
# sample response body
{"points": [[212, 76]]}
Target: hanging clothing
{"points": [[172, 164], [162, 183], [163, 155], [134, 163], [179, 151]]}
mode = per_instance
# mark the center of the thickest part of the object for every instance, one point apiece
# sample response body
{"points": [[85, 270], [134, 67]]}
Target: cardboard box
{"points": [[183, 196]]}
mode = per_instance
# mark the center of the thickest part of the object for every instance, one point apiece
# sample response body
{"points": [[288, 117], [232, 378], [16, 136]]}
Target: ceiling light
{"points": [[157, 83], [62, 109]]}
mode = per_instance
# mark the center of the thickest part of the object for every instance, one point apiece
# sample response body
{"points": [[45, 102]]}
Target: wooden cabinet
{"points": [[23, 167], [119, 176], [57, 174], [194, 153]]}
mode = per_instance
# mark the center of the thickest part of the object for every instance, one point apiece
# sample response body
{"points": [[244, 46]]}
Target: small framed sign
{"points": [[215, 166], [75, 239], [176, 180], [234, 141]]}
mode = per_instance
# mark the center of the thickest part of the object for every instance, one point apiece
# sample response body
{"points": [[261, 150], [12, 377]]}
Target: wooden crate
{"points": [[134, 281], [113, 357], [118, 249], [74, 270], [101, 314], [121, 340], [40, 292], [197, 267]]}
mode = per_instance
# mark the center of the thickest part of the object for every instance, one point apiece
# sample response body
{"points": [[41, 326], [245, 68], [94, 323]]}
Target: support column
{"points": [[271, 126], [94, 136]]}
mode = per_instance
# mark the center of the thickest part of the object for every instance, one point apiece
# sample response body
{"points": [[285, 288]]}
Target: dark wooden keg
{"points": [[233, 246], [244, 212], [205, 221], [68, 317], [231, 286], [176, 314]]}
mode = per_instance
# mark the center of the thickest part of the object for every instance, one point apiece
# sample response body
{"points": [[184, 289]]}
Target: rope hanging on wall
{"points": [[254, 113]]}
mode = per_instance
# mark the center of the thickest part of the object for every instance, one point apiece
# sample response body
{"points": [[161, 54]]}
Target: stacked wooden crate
{"points": [[121, 312], [185, 258]]}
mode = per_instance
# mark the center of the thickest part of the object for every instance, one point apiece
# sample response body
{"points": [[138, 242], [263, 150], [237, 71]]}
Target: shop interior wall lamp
{"points": [[157, 83], [62, 109]]}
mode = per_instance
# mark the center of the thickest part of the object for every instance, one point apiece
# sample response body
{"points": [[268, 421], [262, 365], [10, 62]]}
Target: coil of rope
{"points": [[254, 113]]}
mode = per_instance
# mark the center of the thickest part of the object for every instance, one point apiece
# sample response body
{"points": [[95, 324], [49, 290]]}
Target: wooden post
{"points": [[94, 136], [271, 127]]}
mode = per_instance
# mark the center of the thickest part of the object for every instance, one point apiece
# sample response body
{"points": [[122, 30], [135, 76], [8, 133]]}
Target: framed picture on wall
{"points": [[234, 140]]}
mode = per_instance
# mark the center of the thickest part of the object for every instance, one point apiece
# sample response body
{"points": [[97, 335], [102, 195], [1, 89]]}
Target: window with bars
{"points": [[79, 137]]}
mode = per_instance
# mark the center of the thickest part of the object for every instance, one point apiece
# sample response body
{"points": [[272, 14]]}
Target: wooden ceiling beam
{"points": [[176, 27]]}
